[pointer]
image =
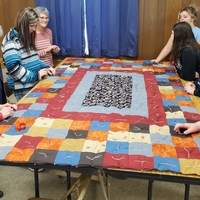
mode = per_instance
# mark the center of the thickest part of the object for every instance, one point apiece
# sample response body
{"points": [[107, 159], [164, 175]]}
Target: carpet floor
{"points": [[17, 183]]}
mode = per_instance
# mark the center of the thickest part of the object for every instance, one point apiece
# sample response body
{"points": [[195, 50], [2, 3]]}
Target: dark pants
{"points": [[2, 92]]}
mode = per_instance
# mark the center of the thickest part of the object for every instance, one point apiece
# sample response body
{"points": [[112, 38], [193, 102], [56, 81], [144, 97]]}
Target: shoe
{"points": [[1, 194], [39, 170]]}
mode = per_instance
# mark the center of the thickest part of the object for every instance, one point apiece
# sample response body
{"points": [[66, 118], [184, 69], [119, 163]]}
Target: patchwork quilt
{"points": [[105, 113]]}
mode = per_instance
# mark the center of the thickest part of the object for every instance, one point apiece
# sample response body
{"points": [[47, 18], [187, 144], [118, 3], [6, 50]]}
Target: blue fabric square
{"points": [[102, 126], [38, 106], [34, 94], [178, 87], [19, 113], [161, 139], [174, 121], [117, 147], [4, 151], [185, 98], [57, 133], [67, 158], [32, 113], [12, 131], [167, 103], [137, 148], [166, 164]]}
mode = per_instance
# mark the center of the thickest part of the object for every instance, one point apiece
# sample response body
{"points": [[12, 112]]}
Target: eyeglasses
{"points": [[44, 18]]}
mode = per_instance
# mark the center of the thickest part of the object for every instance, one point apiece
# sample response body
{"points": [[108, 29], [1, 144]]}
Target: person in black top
{"points": [[185, 54]]}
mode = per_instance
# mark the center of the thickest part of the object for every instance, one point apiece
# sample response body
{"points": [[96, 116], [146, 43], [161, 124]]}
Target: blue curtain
{"points": [[112, 26]]}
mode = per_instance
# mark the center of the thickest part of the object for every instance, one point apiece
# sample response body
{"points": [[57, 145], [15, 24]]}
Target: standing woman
{"points": [[24, 68], [44, 38], [189, 15], [185, 53]]}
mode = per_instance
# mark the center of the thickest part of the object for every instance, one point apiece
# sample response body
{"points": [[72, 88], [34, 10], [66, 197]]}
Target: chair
{"points": [[1, 194]]}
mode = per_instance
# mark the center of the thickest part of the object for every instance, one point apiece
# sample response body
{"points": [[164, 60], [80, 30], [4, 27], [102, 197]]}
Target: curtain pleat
{"points": [[94, 27]]}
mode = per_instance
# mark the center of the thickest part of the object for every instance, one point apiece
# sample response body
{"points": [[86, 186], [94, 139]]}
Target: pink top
{"points": [[1, 116], [42, 41]]}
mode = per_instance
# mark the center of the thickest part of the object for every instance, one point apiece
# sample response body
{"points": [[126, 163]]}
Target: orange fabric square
{"points": [[29, 121], [186, 103], [180, 92], [80, 125], [183, 142], [19, 155], [50, 143], [48, 95], [97, 135], [4, 128], [164, 150], [120, 126], [169, 97]]}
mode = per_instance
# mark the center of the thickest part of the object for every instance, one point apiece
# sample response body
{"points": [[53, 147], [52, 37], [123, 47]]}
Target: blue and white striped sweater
{"points": [[22, 68]]}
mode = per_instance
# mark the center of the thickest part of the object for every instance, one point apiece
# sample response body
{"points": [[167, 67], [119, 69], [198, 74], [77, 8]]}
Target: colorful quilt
{"points": [[105, 113]]}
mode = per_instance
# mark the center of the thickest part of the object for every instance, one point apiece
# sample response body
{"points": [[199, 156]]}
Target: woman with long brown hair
{"points": [[185, 53]]}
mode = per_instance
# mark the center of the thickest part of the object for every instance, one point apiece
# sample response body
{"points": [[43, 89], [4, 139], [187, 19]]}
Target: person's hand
{"points": [[50, 48], [7, 112], [187, 128], [56, 49], [154, 61], [51, 71], [42, 73], [190, 88], [196, 75], [13, 106]]}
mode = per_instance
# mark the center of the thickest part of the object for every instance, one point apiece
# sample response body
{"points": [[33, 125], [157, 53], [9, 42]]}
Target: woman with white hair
{"points": [[44, 38]]}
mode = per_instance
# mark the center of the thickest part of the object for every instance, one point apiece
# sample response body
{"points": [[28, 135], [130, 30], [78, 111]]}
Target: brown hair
{"points": [[26, 17], [183, 36]]}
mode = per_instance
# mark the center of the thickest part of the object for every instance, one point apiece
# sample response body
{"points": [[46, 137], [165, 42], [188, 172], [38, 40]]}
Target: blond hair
{"points": [[192, 10]]}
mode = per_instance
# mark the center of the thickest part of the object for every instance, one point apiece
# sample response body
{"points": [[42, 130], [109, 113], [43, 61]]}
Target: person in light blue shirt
{"points": [[189, 15]]}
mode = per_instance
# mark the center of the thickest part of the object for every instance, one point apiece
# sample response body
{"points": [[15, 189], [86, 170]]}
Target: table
{"points": [[116, 115]]}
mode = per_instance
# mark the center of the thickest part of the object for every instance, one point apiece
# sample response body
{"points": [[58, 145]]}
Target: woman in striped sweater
{"points": [[44, 38], [24, 67]]}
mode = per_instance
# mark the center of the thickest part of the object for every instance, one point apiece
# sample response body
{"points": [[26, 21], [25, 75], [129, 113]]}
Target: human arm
{"points": [[44, 43], [166, 50], [15, 59], [187, 127]]}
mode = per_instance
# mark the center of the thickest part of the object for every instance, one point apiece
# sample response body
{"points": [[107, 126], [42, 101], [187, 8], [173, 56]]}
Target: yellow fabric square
{"points": [[62, 123], [28, 100], [164, 130], [37, 131], [189, 166], [72, 145], [172, 115]]}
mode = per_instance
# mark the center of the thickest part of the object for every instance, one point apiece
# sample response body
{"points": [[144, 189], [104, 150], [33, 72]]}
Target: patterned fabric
{"points": [[79, 118]]}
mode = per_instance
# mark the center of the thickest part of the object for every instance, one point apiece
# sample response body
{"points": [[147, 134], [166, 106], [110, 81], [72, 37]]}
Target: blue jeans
{"points": [[20, 93]]}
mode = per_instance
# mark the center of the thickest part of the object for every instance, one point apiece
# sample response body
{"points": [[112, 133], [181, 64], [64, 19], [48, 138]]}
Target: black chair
{"points": [[1, 194]]}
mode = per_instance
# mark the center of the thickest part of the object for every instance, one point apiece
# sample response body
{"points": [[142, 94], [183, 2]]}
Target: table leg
{"points": [[36, 183], [150, 188], [68, 183], [187, 191]]}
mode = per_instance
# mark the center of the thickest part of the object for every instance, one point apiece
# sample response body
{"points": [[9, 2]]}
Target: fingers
{"points": [[51, 71]]}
